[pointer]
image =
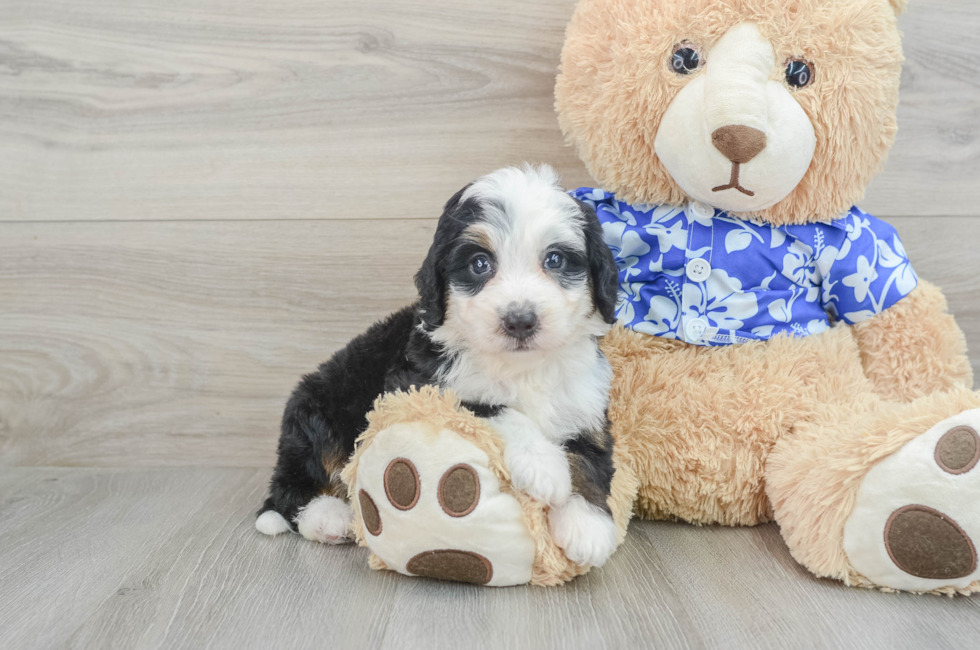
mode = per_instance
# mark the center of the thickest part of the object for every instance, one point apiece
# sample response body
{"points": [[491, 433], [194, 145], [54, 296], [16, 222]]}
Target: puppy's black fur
{"points": [[329, 407]]}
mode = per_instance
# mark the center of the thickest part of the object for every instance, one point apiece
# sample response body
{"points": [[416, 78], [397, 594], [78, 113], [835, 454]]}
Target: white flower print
{"points": [[665, 214], [856, 227], [807, 270], [626, 245], [903, 275], [778, 238], [861, 279], [817, 327], [668, 236], [628, 294], [662, 318], [782, 310], [720, 300], [627, 217]]}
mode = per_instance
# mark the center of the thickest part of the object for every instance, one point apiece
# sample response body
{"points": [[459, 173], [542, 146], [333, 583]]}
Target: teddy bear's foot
{"points": [[431, 506], [915, 525]]}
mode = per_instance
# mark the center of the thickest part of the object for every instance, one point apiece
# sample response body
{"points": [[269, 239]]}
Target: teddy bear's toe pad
{"points": [[370, 514], [958, 451], [915, 522], [459, 490], [460, 566], [431, 506]]}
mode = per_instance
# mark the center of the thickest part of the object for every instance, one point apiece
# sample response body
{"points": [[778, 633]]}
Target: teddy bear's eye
{"points": [[799, 73], [685, 59]]}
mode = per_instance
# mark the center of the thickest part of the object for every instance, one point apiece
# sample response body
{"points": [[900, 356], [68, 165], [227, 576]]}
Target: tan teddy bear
{"points": [[780, 360]]}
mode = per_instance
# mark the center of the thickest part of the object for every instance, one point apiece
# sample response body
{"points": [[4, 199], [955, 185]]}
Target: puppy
{"points": [[514, 294]]}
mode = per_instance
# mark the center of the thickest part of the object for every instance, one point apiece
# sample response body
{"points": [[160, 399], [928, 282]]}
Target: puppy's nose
{"points": [[739, 143], [520, 324]]}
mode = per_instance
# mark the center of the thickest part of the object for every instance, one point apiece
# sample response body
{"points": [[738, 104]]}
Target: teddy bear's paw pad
{"points": [[402, 483], [459, 566], [925, 543], [369, 514], [459, 490], [915, 522], [958, 451], [431, 505]]}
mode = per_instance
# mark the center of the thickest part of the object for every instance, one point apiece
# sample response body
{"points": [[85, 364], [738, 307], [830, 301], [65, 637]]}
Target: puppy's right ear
{"points": [[431, 277]]}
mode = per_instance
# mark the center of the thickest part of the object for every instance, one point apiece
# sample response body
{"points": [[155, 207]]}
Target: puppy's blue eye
{"points": [[554, 260], [480, 265]]}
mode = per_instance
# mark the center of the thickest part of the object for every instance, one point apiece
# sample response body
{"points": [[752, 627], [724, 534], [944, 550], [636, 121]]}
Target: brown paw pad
{"points": [[925, 543], [402, 484], [459, 490], [958, 451], [369, 513], [459, 566]]}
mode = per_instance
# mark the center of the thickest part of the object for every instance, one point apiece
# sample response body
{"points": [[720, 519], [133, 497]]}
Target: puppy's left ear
{"points": [[603, 272]]}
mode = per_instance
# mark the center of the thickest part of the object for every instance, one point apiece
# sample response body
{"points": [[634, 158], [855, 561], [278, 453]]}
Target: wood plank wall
{"points": [[200, 200]]}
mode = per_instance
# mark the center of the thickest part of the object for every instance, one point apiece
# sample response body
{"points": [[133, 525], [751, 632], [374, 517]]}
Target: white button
{"points": [[695, 328], [698, 270], [702, 210]]}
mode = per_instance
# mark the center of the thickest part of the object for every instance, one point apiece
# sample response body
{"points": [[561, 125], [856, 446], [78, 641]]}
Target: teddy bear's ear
{"points": [[898, 5]]}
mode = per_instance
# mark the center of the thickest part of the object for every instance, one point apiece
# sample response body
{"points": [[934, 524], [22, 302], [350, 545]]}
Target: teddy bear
{"points": [[776, 358]]}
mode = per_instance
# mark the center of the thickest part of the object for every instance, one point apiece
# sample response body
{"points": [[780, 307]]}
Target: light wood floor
{"points": [[201, 199]]}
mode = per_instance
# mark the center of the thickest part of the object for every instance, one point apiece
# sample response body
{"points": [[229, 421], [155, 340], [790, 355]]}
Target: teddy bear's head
{"points": [[782, 110]]}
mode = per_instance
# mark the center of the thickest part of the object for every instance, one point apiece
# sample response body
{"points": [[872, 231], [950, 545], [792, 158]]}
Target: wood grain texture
{"points": [[170, 343], [126, 344], [169, 558], [192, 109]]}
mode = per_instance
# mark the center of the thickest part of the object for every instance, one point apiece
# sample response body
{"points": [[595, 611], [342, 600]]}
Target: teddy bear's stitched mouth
{"points": [[733, 182]]}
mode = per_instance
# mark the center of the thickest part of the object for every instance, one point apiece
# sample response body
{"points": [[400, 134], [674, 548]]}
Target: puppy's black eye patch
{"points": [[569, 267], [470, 267]]}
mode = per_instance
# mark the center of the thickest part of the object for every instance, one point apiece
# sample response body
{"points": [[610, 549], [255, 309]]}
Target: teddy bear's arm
{"points": [[915, 347]]}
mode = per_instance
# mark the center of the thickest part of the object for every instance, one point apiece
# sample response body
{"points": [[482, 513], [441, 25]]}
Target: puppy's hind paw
{"points": [[540, 469], [325, 519], [586, 533]]}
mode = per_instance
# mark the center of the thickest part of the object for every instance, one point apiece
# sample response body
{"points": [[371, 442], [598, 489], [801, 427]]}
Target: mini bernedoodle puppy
{"points": [[514, 295]]}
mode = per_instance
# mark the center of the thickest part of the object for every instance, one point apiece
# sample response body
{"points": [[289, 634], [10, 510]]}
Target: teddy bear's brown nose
{"points": [[739, 143]]}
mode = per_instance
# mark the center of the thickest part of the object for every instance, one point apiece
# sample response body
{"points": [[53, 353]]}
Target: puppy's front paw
{"points": [[584, 532], [540, 469], [325, 519]]}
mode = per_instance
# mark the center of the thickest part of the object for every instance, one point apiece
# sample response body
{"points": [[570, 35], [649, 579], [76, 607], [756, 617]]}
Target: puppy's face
{"points": [[517, 265]]}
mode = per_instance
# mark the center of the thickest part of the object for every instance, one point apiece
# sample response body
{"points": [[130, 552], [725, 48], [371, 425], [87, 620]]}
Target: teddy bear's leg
{"points": [[915, 347], [884, 494]]}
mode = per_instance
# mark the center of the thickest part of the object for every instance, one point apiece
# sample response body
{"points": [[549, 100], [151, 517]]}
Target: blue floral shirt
{"points": [[700, 275]]}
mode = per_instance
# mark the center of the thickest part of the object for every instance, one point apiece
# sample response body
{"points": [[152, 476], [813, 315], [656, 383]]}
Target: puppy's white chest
{"points": [[564, 395], [566, 406]]}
